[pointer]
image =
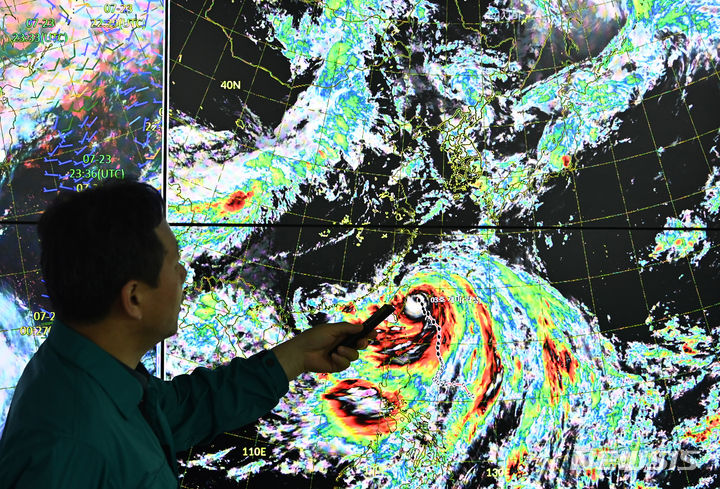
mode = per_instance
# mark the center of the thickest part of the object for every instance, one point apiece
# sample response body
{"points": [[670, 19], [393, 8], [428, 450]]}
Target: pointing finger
{"points": [[350, 354], [340, 362]]}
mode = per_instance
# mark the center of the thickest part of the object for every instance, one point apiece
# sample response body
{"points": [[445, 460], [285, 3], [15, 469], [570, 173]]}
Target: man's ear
{"points": [[131, 296]]}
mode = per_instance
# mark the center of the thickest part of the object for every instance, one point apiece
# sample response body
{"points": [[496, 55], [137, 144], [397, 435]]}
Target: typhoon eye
{"points": [[415, 306]]}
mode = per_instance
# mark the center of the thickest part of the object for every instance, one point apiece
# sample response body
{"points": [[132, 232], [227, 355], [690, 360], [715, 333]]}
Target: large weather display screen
{"points": [[533, 185]]}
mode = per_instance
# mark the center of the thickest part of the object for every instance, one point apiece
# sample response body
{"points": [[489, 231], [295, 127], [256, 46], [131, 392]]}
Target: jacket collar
{"points": [[122, 384]]}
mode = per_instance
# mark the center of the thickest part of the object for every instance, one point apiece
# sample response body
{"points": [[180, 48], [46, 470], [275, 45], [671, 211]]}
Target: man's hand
{"points": [[317, 350]]}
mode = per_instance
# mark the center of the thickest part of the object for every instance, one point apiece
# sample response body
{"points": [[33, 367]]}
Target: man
{"points": [[86, 413]]}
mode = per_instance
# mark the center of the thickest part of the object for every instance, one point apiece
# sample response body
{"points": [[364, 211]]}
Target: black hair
{"points": [[93, 242]]}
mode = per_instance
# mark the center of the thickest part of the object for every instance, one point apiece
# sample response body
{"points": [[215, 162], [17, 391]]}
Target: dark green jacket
{"points": [[81, 419]]}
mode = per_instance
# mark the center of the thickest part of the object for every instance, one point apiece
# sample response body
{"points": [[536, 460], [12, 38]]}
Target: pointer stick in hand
{"points": [[370, 323]]}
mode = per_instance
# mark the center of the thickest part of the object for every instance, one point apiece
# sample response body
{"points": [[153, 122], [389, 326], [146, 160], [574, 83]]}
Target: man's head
{"points": [[110, 247]]}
